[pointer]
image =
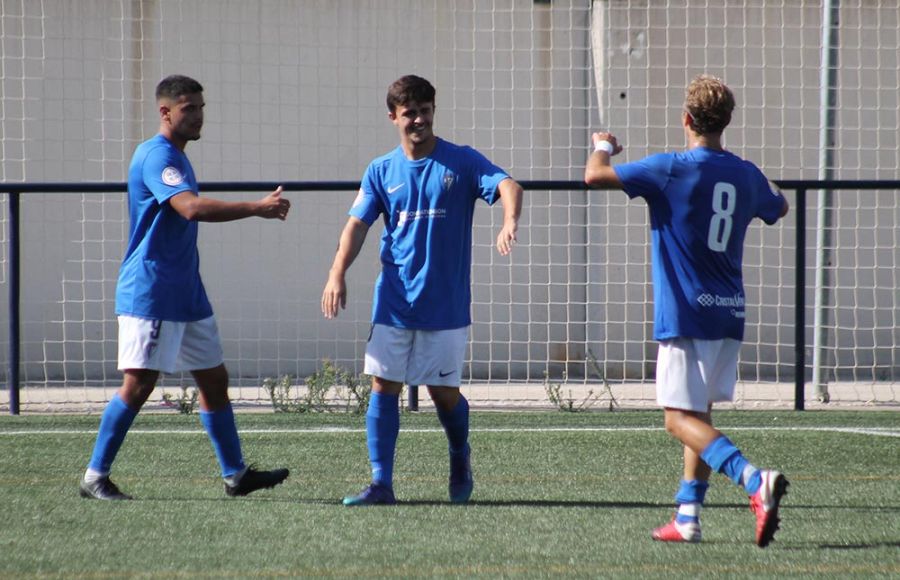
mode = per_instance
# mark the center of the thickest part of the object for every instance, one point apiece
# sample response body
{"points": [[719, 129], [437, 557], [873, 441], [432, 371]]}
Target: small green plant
{"points": [[562, 401], [281, 395], [566, 402], [184, 403], [328, 389], [592, 360], [318, 386], [359, 390], [354, 390], [554, 392]]}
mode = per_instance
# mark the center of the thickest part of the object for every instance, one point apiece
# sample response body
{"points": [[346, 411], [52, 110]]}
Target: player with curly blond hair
{"points": [[701, 202]]}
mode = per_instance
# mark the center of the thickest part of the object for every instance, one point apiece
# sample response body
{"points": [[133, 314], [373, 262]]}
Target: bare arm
{"points": [[206, 209], [351, 242], [598, 173], [511, 198]]}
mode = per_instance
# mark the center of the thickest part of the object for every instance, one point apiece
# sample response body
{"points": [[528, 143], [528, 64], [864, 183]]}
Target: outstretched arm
{"points": [[351, 242], [511, 198], [598, 173], [206, 209]]}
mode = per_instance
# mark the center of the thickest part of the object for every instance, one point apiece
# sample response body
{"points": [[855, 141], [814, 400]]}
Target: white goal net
{"points": [[295, 92]]}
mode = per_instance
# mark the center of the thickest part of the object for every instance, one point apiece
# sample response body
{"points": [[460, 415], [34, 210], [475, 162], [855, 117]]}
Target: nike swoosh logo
{"points": [[445, 374], [395, 188]]}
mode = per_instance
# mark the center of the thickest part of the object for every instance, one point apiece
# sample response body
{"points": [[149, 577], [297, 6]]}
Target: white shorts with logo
{"points": [[691, 373], [417, 357], [167, 346]]}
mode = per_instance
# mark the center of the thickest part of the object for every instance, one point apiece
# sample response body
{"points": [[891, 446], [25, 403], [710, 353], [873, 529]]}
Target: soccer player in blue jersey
{"points": [[425, 192], [700, 203], [166, 323]]}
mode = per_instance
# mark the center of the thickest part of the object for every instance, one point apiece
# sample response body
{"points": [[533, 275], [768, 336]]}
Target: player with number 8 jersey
{"points": [[700, 202]]}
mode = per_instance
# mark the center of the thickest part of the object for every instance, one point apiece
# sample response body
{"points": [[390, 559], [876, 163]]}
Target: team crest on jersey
{"points": [[449, 178], [172, 176]]}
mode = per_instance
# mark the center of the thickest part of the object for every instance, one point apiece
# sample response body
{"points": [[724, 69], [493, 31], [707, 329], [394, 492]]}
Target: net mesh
{"points": [[295, 92]]}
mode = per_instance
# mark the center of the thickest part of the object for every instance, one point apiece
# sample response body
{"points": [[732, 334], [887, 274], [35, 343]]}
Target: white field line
{"points": [[877, 431]]}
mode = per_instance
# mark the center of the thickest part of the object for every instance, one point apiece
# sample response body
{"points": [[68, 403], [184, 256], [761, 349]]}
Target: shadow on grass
{"points": [[427, 502], [445, 503], [865, 546], [539, 503], [804, 546]]}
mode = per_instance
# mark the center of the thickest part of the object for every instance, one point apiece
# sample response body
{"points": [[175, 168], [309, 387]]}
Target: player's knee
{"points": [[444, 398], [674, 422], [137, 386]]}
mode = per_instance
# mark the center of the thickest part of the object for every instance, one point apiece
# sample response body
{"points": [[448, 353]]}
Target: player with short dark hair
{"points": [[425, 192], [701, 202], [166, 322]]}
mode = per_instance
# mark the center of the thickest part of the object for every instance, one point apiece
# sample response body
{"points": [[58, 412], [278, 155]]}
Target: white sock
{"points": [[92, 475], [691, 510], [749, 470], [233, 480]]}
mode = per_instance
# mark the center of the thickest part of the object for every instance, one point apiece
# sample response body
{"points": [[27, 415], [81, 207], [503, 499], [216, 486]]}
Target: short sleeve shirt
{"points": [[160, 275], [427, 206], [700, 202]]}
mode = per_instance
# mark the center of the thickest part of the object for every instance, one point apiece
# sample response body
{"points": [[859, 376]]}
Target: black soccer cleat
{"points": [[102, 488], [253, 480]]}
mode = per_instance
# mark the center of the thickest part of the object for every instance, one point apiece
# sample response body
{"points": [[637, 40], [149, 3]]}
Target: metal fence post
{"points": [[800, 304], [14, 314]]}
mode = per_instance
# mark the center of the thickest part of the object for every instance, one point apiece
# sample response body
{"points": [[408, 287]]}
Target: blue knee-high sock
{"points": [[114, 424], [456, 425], [722, 456], [382, 428], [691, 491], [223, 434]]}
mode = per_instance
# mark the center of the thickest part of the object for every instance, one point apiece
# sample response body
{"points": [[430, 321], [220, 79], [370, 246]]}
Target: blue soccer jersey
{"points": [[426, 248], [701, 203], [160, 274]]}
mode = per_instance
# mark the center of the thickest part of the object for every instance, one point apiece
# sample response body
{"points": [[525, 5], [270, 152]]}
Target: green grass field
{"points": [[557, 494]]}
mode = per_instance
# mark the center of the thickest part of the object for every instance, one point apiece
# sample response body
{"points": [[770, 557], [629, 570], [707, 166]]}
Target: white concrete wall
{"points": [[295, 92]]}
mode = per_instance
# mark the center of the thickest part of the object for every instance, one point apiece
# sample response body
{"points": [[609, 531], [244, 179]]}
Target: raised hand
{"points": [[274, 206]]}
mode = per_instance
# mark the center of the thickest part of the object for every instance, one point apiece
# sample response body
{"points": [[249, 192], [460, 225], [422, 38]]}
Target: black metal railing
{"points": [[15, 190]]}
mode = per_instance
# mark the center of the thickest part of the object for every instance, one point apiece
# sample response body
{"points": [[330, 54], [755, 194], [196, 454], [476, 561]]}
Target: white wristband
{"points": [[604, 145]]}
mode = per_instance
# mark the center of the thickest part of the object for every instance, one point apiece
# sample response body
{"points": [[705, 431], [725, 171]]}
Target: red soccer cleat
{"points": [[678, 532], [764, 503]]}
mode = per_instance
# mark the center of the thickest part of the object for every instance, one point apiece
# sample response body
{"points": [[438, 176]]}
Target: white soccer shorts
{"points": [[691, 374], [417, 357], [167, 346]]}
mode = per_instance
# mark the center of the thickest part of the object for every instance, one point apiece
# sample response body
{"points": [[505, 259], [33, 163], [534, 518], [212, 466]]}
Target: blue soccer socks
{"points": [[223, 434], [456, 426], [723, 457], [691, 491], [114, 424], [382, 428], [689, 499]]}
